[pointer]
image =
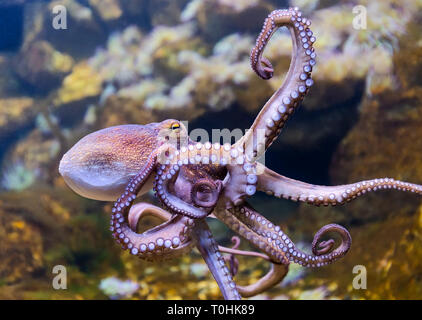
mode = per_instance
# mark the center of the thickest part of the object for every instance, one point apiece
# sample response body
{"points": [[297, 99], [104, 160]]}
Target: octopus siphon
{"points": [[194, 181]]}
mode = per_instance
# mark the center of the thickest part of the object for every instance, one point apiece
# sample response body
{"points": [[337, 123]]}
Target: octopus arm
{"points": [[269, 238], [167, 240], [274, 276], [275, 113], [283, 187], [208, 248]]}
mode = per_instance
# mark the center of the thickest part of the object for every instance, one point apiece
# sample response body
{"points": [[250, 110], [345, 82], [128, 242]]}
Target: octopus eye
{"points": [[175, 126]]}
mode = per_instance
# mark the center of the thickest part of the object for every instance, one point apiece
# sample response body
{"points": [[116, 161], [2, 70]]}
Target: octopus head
{"points": [[173, 132]]}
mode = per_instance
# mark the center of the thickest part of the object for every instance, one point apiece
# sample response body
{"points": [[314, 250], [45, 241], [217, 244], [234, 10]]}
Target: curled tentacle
{"points": [[324, 247], [263, 68], [321, 257], [346, 241], [280, 186], [231, 259], [282, 104], [280, 248], [230, 218], [274, 276], [165, 231], [142, 209], [167, 240]]}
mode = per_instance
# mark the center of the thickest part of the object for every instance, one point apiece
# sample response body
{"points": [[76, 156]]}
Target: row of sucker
{"points": [[195, 154], [215, 261], [337, 195], [229, 217], [281, 106], [278, 238], [167, 240]]}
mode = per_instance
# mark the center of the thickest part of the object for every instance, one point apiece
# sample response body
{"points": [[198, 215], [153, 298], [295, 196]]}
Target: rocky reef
{"points": [[136, 61]]}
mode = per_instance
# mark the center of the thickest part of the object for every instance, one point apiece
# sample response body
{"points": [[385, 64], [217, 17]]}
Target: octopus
{"points": [[195, 181]]}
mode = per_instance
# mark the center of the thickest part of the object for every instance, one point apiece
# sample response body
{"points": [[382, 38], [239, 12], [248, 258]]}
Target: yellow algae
{"points": [[81, 83], [108, 9], [12, 109], [18, 224]]}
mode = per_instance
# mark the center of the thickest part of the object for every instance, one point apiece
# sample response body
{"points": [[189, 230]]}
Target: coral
{"points": [[129, 56], [214, 81], [407, 64], [238, 6], [43, 122], [45, 226]]}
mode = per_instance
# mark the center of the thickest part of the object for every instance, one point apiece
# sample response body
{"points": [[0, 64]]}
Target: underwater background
{"points": [[141, 61]]}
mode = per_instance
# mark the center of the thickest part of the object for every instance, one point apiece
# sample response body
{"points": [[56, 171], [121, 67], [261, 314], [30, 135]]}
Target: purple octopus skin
{"points": [[194, 181]]}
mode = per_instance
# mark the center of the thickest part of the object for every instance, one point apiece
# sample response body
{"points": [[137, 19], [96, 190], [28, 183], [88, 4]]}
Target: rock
{"points": [[166, 12], [42, 67], [82, 87], [108, 10], [199, 270], [16, 113], [29, 160], [84, 32], [390, 251], [9, 85], [21, 250], [119, 111], [406, 60], [386, 140], [217, 19]]}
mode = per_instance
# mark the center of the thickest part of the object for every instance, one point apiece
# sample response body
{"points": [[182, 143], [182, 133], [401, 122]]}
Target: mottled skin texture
{"points": [[101, 164], [194, 180]]}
